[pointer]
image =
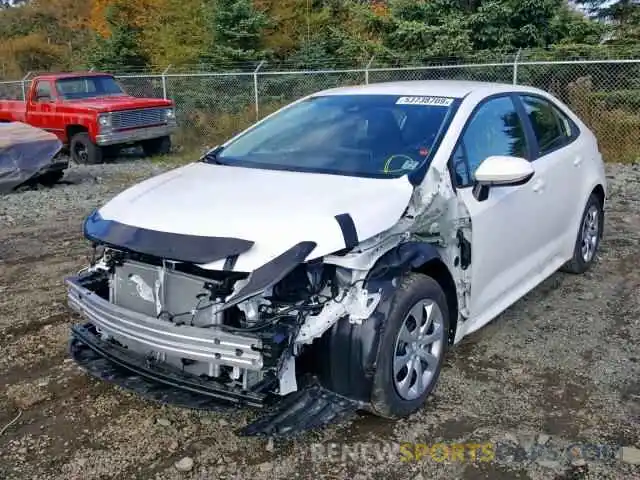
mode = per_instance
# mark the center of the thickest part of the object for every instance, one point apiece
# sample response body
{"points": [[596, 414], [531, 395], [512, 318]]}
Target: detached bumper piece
{"points": [[311, 408], [158, 382]]}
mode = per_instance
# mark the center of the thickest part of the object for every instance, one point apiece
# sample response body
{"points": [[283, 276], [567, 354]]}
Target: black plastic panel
{"points": [[170, 246]]}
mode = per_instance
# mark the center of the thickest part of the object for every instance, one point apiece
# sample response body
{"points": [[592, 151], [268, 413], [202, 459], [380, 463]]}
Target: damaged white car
{"points": [[324, 260]]}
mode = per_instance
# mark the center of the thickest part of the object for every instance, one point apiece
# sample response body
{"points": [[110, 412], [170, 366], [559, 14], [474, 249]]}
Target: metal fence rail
{"points": [[212, 106]]}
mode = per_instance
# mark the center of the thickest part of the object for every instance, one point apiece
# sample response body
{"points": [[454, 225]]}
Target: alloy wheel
{"points": [[419, 346]]}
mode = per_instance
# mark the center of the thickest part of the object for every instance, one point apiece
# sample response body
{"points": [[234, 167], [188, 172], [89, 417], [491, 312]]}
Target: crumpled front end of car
{"points": [[170, 316], [200, 338]]}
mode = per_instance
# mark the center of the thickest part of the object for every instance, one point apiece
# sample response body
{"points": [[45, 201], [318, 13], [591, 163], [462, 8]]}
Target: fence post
{"points": [[255, 89], [515, 67], [164, 82], [24, 86], [366, 70]]}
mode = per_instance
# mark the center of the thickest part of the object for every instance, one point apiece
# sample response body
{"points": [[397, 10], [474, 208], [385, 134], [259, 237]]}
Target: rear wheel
{"points": [[83, 151], [157, 146], [588, 238]]}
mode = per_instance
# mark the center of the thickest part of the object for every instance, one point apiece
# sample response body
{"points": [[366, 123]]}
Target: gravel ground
{"points": [[559, 368]]}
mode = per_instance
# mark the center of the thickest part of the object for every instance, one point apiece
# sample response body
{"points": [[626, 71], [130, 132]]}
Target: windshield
{"points": [[88, 87], [358, 135]]}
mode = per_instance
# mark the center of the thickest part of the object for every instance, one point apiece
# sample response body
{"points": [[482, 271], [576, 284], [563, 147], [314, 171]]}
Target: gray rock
{"points": [[543, 438], [163, 421], [630, 455], [184, 465]]}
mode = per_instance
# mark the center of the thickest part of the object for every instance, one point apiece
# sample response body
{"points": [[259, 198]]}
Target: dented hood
{"points": [[271, 211]]}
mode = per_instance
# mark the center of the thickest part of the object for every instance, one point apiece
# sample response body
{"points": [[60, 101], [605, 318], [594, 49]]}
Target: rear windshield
{"points": [[88, 87], [358, 135]]}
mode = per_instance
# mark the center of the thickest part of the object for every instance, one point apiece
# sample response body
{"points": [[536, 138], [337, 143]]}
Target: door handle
{"points": [[538, 186], [577, 161]]}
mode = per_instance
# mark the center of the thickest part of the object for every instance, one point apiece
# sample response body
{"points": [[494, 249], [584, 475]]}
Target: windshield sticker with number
{"points": [[432, 101]]}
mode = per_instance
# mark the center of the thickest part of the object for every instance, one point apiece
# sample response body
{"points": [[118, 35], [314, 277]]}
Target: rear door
{"points": [[558, 158]]}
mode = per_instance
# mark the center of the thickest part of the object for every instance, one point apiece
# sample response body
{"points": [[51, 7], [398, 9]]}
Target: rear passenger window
{"points": [[494, 129], [551, 127]]}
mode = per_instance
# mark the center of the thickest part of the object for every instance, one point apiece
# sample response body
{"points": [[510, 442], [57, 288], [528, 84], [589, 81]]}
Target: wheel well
{"points": [[437, 270], [598, 191], [73, 129]]}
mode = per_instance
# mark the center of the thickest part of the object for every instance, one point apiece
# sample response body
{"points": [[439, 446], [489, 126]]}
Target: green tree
{"points": [[120, 50], [237, 28], [623, 17]]}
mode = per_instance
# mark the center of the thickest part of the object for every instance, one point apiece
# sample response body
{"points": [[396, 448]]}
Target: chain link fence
{"points": [[211, 107]]}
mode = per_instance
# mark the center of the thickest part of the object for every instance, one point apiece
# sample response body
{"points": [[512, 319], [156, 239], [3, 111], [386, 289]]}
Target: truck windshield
{"points": [[88, 87], [376, 136]]}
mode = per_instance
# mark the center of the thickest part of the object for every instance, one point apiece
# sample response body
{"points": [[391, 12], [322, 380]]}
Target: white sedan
{"points": [[351, 238]]}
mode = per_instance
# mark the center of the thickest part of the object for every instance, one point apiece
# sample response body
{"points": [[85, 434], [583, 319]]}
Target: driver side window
{"points": [[494, 129], [43, 91]]}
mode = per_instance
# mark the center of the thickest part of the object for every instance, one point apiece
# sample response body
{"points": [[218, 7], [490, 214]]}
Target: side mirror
{"points": [[501, 171], [44, 99]]}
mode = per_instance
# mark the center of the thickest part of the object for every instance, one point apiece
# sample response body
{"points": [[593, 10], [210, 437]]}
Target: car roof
{"points": [[444, 88], [58, 76]]}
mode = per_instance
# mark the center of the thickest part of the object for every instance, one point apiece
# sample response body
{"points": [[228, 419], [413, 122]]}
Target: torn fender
{"points": [[352, 365]]}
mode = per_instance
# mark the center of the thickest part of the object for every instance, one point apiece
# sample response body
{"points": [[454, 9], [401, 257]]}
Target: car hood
{"points": [[118, 102], [273, 209]]}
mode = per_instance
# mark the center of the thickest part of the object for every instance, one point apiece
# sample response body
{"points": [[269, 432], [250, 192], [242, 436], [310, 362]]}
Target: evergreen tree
{"points": [[120, 50], [237, 28]]}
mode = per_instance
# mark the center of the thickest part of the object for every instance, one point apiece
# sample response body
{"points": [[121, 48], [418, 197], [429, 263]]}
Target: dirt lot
{"points": [[560, 367]]}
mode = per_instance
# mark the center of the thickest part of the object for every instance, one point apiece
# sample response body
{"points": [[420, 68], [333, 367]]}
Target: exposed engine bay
{"points": [[180, 315]]}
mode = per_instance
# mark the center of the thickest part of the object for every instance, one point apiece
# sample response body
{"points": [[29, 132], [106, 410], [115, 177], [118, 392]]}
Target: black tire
{"points": [[157, 146], [356, 360], [83, 150], [50, 178], [580, 263], [385, 399]]}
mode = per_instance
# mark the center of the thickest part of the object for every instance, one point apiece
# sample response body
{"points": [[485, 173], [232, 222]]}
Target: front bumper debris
{"points": [[211, 344], [156, 381], [309, 408]]}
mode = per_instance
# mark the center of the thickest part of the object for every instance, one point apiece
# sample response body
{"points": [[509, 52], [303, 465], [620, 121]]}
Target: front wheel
{"points": [[84, 151], [412, 348]]}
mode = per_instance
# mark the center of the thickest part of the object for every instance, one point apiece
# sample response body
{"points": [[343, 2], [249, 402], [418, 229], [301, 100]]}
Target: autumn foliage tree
{"points": [[151, 34]]}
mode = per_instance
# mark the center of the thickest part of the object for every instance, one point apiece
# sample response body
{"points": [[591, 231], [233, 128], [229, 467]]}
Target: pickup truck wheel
{"points": [[157, 146], [84, 151]]}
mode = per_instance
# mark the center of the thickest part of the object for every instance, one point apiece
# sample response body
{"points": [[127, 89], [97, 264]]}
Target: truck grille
{"points": [[138, 118]]}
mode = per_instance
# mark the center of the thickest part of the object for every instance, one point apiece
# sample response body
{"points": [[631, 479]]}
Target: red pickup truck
{"points": [[92, 115]]}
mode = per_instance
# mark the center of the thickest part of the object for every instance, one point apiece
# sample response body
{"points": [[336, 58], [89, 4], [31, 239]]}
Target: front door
{"points": [[508, 227], [42, 108]]}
